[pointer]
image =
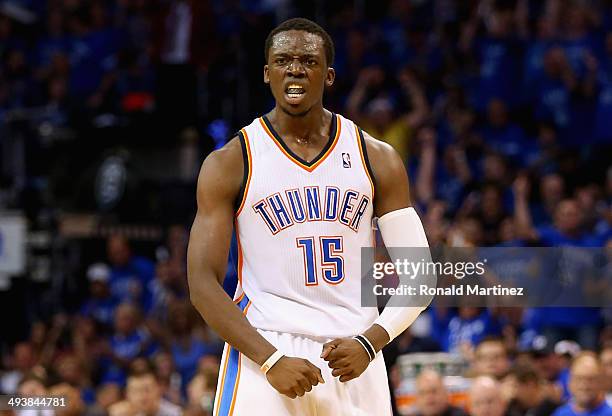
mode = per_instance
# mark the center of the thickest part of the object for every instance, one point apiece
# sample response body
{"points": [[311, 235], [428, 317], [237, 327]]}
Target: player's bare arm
{"points": [[346, 356], [219, 184]]}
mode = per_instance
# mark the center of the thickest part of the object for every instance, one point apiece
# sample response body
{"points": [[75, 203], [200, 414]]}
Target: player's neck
{"points": [[305, 128]]}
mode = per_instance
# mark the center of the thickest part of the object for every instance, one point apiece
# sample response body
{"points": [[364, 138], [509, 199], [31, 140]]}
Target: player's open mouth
{"points": [[294, 91]]}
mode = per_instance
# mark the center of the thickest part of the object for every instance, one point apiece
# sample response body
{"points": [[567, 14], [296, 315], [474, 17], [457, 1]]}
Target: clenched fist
{"points": [[346, 357], [294, 376]]}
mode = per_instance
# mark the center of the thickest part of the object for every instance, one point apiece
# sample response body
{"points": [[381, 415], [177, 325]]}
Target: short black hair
{"points": [[299, 23]]}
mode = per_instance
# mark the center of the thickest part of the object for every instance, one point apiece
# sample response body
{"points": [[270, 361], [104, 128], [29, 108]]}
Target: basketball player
{"points": [[301, 185]]}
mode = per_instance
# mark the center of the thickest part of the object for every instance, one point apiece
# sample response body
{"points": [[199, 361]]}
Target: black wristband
{"points": [[366, 345]]}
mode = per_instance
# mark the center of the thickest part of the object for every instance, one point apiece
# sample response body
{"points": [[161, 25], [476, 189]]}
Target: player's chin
{"points": [[299, 110]]}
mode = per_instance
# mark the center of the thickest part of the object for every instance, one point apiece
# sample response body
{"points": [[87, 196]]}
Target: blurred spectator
{"points": [[89, 345], [176, 244], [486, 397], [122, 408], [33, 386], [541, 156], [586, 388], [201, 392], [130, 275], [605, 356], [550, 91], [44, 339], [144, 395], [74, 405], [187, 345], [550, 365], [168, 287], [21, 363], [567, 227], [469, 328], [128, 341], [447, 180], [552, 191], [487, 207], [71, 371], [134, 82], [499, 55], [500, 134], [491, 358], [169, 380], [380, 118], [106, 396], [432, 396], [100, 305], [581, 324], [532, 395]]}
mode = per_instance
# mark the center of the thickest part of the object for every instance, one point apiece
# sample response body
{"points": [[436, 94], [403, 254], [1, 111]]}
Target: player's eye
{"points": [[311, 62], [280, 60]]}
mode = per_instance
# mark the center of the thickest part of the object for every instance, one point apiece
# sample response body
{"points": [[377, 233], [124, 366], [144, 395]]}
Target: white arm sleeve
{"points": [[401, 228]]}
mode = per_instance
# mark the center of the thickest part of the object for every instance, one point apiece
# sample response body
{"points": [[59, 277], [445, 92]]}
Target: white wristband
{"points": [[273, 359]]}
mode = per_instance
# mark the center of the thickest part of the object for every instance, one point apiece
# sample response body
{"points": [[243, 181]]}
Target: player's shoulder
{"points": [[376, 147], [223, 168], [383, 158], [228, 156]]}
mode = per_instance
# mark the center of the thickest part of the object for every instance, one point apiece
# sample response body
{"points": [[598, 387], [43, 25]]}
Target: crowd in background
{"points": [[502, 111]]}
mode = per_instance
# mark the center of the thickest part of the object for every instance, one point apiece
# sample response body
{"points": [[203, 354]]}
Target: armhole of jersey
{"points": [[364, 158], [246, 177]]}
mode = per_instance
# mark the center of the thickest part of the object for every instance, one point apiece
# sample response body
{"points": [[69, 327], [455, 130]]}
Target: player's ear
{"points": [[331, 76], [266, 75]]}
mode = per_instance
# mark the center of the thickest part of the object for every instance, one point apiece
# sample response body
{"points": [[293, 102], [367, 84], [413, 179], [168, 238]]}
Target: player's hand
{"points": [[294, 377], [346, 357]]}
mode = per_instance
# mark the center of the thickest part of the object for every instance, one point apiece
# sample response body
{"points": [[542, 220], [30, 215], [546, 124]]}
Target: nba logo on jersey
{"points": [[346, 160]]}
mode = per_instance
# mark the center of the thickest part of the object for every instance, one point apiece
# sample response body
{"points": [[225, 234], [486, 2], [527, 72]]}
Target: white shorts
{"points": [[243, 390]]}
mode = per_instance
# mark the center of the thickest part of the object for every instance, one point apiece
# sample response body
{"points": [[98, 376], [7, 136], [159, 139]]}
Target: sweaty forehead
{"points": [[297, 41]]}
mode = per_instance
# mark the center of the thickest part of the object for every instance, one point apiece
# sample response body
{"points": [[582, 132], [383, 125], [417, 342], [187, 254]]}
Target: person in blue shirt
{"points": [[586, 388], [567, 229], [578, 323], [551, 91], [544, 40], [468, 328], [186, 345], [129, 341], [101, 304], [130, 275], [500, 56], [500, 134]]}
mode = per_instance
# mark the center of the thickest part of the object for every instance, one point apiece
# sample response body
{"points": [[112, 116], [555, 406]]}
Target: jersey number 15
{"points": [[332, 262]]}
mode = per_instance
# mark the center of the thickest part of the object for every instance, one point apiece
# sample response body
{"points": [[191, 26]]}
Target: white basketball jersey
{"points": [[300, 228]]}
